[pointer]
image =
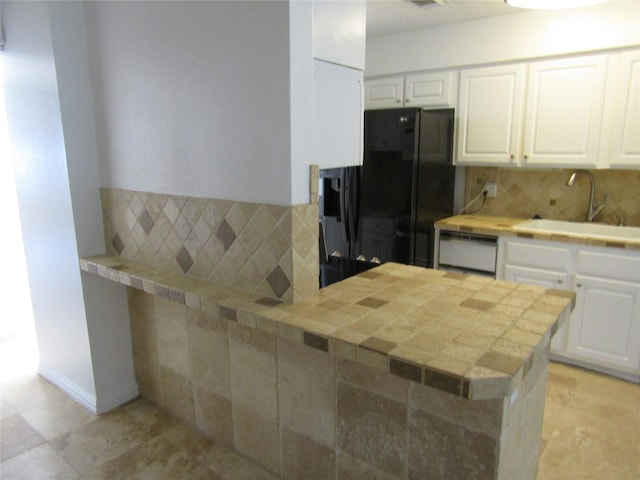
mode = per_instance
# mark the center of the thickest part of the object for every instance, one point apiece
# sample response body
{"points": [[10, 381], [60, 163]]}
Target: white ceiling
{"points": [[387, 17]]}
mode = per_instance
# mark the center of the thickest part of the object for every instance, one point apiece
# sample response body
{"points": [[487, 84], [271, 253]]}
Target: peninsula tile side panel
{"points": [[293, 403]]}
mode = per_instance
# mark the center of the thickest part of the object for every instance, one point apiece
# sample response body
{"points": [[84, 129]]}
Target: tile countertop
{"points": [[504, 226], [473, 337]]}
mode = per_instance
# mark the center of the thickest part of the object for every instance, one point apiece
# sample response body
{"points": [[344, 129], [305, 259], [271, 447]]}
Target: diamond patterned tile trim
{"points": [[184, 260], [146, 222], [525, 193], [304, 233], [278, 281], [225, 234], [234, 243], [117, 243]]}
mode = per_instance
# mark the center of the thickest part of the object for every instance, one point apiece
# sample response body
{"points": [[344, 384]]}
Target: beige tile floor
{"points": [[591, 431], [591, 427], [46, 435]]}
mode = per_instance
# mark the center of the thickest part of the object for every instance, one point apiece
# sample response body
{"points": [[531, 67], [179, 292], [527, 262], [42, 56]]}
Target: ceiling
{"points": [[387, 17]]}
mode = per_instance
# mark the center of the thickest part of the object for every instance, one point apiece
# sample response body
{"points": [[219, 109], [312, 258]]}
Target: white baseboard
{"points": [[84, 398], [121, 399]]}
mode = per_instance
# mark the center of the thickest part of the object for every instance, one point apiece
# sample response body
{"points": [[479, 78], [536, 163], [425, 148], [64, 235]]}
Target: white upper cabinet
{"points": [[338, 115], [542, 114], [339, 32], [429, 89], [383, 93], [622, 139], [490, 108], [580, 111], [563, 114], [435, 89]]}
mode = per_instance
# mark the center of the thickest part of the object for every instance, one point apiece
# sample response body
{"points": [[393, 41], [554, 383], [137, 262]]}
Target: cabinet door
{"points": [[383, 93], [542, 278], [338, 115], [429, 89], [625, 117], [605, 325], [490, 114], [563, 116]]}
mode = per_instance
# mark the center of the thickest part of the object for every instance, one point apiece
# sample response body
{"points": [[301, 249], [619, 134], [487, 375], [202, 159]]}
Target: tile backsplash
{"points": [[267, 249], [525, 193]]}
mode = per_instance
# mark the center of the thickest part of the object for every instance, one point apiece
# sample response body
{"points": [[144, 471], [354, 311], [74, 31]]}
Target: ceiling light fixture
{"points": [[551, 4]]}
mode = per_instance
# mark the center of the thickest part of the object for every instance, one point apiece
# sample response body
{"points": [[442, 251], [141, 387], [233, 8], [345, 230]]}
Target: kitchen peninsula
{"points": [[599, 262], [413, 372]]}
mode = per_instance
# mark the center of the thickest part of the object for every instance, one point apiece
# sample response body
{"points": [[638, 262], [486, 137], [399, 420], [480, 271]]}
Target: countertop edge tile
{"points": [[504, 226]]}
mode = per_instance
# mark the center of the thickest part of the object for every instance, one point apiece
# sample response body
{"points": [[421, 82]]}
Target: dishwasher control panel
{"points": [[466, 252]]}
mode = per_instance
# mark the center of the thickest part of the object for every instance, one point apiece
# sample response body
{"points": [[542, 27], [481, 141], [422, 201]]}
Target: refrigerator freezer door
{"points": [[387, 177]]}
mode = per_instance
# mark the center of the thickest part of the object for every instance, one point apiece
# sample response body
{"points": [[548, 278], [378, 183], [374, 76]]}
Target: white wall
{"points": [[105, 302], [81, 322], [42, 185], [301, 99], [193, 98], [339, 32], [530, 34]]}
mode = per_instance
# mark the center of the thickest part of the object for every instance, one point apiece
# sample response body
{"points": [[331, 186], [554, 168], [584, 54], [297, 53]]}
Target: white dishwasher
{"points": [[467, 253]]}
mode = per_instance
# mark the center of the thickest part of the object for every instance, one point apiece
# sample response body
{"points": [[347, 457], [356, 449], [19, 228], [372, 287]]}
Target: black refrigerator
{"points": [[386, 209]]}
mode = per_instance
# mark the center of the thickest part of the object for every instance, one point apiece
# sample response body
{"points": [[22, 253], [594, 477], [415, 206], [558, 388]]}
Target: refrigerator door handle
{"points": [[343, 206], [352, 210]]}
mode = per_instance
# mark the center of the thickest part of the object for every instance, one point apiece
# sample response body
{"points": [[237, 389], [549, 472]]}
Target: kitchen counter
{"points": [[469, 336], [414, 372], [505, 226]]}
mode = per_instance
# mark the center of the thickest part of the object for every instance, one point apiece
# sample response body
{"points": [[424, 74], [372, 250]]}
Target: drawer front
{"points": [[539, 256], [613, 265]]}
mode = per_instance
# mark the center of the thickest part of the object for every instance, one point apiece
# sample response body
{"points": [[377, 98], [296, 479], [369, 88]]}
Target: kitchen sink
{"points": [[597, 230]]}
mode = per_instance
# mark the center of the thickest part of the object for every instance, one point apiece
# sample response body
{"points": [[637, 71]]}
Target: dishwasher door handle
{"points": [[468, 237], [466, 241]]}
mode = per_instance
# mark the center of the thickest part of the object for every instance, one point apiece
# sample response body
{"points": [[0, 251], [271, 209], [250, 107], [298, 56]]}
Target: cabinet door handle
{"points": [[397, 100], [526, 157], [512, 157], [579, 285], [558, 281], [407, 100]]}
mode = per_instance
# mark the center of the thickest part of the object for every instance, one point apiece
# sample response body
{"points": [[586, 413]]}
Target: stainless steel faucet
{"points": [[592, 211]]}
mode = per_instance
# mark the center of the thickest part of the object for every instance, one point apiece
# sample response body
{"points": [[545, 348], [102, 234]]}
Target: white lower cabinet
{"points": [[603, 331], [604, 325]]}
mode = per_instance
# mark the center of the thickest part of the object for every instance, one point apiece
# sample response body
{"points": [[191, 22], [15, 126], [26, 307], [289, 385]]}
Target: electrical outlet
{"points": [[491, 189]]}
